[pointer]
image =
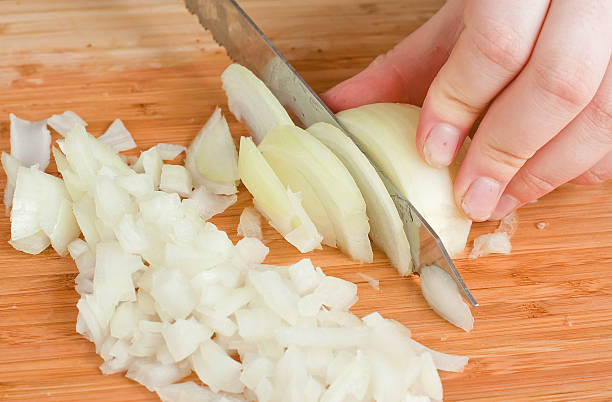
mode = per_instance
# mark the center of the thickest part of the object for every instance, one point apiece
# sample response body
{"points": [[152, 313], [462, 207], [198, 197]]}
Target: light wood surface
{"points": [[544, 327]]}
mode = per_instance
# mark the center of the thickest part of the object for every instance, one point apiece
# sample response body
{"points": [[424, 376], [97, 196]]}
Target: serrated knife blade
{"points": [[246, 44]]}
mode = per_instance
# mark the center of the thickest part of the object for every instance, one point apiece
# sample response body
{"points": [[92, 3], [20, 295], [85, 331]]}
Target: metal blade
{"points": [[246, 44]]}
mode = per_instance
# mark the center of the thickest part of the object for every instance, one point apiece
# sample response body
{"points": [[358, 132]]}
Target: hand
{"points": [[543, 70]]}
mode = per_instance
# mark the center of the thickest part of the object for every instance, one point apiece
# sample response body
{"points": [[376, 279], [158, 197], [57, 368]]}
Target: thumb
{"points": [[405, 72]]}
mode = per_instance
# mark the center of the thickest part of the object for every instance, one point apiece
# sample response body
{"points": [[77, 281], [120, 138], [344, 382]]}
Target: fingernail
{"points": [[441, 144], [506, 204], [480, 199]]}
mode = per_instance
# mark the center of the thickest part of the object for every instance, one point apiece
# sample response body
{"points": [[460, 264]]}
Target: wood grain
{"points": [[544, 327]]}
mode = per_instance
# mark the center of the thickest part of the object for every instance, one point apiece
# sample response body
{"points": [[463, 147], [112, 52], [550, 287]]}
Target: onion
{"points": [[184, 336], [250, 225], [251, 102], [154, 375], [150, 162], [299, 154], [169, 152], [386, 226], [191, 392], [175, 179], [207, 203], [215, 368], [443, 296], [30, 142], [491, 243], [387, 131], [11, 166], [281, 207], [117, 137], [212, 157], [63, 123], [373, 282]]}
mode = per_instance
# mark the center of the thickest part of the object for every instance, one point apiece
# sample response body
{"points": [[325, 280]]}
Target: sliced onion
{"points": [[207, 203], [169, 152], [63, 123], [387, 131], [118, 137], [250, 223], [443, 296], [298, 153], [212, 157], [251, 102], [175, 179], [386, 227], [491, 243], [373, 282], [11, 167], [30, 142], [281, 207]]}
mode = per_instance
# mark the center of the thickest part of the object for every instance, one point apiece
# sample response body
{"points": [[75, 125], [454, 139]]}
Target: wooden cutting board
{"points": [[544, 327]]}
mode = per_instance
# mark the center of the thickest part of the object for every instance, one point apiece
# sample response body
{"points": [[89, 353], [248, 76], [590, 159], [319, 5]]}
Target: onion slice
{"points": [[169, 152], [30, 142], [443, 296], [250, 223], [212, 157], [387, 131], [63, 123], [386, 227], [280, 206], [251, 102], [303, 156], [118, 137]]}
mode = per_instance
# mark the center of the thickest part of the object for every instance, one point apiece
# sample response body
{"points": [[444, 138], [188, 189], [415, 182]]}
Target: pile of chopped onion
{"points": [[165, 293]]}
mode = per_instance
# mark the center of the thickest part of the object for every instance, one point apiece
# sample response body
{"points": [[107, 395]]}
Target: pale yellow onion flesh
{"points": [[63, 123], [283, 210], [30, 142], [251, 102], [118, 137], [442, 294], [250, 223], [386, 227], [387, 131], [309, 158]]}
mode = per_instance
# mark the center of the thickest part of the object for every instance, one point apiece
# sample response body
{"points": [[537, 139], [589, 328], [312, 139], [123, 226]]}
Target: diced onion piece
{"points": [[508, 224], [304, 155], [184, 336], [30, 142], [175, 179], [387, 131], [276, 294], [282, 209], [212, 157], [150, 162], [139, 185], [491, 243], [386, 227], [154, 375], [336, 338], [336, 293], [169, 152], [251, 102], [215, 368], [75, 186], [173, 293], [443, 296], [63, 123], [207, 203], [118, 137], [542, 225], [352, 382], [250, 223], [11, 166], [305, 277], [257, 324], [191, 392], [443, 361], [373, 282]]}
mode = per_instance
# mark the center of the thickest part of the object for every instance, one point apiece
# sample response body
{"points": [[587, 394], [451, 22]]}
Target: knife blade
{"points": [[246, 44]]}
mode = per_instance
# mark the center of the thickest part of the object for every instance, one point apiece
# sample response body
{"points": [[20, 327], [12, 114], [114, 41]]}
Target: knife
{"points": [[246, 44]]}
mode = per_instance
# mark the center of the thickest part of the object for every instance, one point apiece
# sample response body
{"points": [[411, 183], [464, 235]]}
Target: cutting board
{"points": [[544, 327]]}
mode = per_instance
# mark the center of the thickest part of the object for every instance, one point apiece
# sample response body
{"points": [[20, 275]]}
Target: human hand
{"points": [[543, 70]]}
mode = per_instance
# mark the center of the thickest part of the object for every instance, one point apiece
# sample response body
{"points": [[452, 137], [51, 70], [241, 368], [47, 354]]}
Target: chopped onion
{"points": [[30, 142], [298, 153], [491, 243], [250, 224], [11, 166], [212, 157], [387, 131], [373, 282], [280, 206], [118, 137], [508, 224], [443, 361], [191, 392], [175, 179], [150, 162], [251, 102], [443, 296], [207, 203], [386, 226], [63, 123], [169, 152], [184, 336], [215, 368], [542, 225], [154, 375]]}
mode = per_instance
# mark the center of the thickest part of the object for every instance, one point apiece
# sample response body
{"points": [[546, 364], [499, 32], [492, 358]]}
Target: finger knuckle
{"points": [[501, 44], [599, 113], [535, 183], [565, 81], [501, 156]]}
